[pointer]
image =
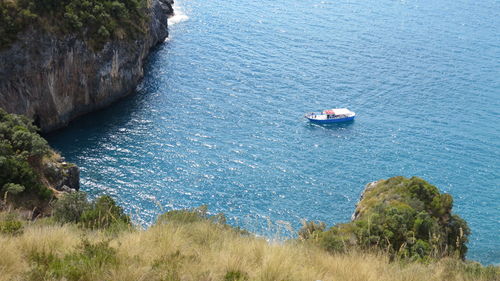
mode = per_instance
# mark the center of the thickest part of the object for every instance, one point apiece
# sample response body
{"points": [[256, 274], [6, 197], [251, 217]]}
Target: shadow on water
{"points": [[97, 126], [332, 126], [335, 130]]}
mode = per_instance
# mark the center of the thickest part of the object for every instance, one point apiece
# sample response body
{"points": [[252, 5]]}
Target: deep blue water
{"points": [[218, 117]]}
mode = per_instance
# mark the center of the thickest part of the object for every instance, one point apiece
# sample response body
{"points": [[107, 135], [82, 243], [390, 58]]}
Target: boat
{"points": [[328, 116]]}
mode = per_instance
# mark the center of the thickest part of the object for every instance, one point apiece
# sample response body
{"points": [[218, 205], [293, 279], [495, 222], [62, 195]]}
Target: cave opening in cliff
{"points": [[37, 121]]}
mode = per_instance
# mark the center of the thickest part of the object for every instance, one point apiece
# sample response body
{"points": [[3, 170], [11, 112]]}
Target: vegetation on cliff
{"points": [[94, 20], [21, 151], [408, 218], [31, 173], [192, 245]]}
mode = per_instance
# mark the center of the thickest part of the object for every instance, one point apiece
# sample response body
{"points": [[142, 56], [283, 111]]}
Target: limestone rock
{"points": [[62, 176], [54, 79]]}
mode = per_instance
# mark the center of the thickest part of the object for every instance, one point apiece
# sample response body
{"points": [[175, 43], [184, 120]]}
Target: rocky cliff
{"points": [[55, 78]]}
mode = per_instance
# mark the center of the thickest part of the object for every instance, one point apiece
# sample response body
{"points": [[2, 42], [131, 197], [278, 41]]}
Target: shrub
{"points": [[70, 207], [185, 216], [11, 188], [198, 214], [11, 225], [191, 215], [29, 142], [311, 229], [235, 275], [103, 213]]}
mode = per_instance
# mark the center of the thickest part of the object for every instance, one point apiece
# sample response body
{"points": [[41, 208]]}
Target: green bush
{"points": [[185, 216], [103, 213], [11, 188], [70, 207], [198, 214], [191, 215], [235, 275], [13, 19], [471, 270], [10, 225], [311, 229]]}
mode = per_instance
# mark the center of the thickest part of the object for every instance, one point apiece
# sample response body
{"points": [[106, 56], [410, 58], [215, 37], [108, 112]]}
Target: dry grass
{"points": [[206, 251]]}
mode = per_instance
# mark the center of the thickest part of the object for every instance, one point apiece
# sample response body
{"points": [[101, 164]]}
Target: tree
{"points": [[70, 207], [11, 188]]}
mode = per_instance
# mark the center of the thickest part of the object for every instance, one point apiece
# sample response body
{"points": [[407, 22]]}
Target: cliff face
{"points": [[60, 175], [53, 78]]}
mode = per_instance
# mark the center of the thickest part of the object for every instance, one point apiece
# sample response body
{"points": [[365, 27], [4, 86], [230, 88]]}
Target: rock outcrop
{"points": [[54, 79], [405, 217], [62, 176]]}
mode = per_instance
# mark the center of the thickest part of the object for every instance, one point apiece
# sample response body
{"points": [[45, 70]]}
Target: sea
{"points": [[218, 118]]}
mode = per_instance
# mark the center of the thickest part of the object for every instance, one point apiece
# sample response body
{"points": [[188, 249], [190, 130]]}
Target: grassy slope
{"points": [[206, 251]]}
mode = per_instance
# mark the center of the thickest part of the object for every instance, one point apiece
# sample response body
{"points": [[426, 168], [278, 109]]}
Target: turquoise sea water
{"points": [[218, 119]]}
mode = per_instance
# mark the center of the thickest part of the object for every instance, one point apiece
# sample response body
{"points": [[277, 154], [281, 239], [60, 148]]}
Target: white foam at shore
{"points": [[179, 15]]}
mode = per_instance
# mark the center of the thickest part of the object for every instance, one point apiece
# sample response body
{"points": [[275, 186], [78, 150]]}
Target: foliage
{"points": [[310, 229], [81, 264], [103, 213], [95, 20], [21, 149], [191, 215], [409, 218], [9, 224], [70, 207], [237, 275], [13, 189], [194, 215], [13, 19]]}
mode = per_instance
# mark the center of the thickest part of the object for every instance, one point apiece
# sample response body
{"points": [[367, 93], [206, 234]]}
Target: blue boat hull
{"points": [[331, 121]]}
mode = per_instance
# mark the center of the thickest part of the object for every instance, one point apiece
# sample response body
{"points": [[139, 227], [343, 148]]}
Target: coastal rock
{"points": [[54, 79], [70, 178], [67, 189], [368, 187], [62, 176], [406, 217]]}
